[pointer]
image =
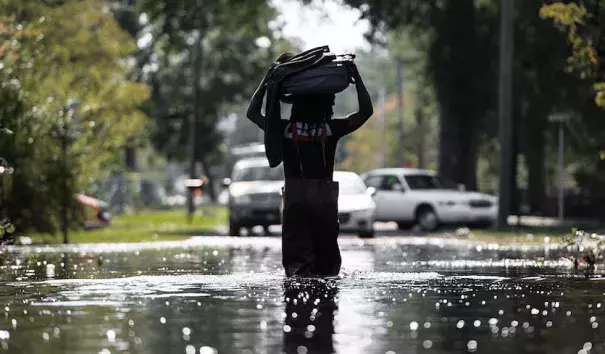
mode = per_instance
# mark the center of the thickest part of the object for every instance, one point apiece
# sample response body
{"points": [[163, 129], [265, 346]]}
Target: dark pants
{"points": [[310, 228]]}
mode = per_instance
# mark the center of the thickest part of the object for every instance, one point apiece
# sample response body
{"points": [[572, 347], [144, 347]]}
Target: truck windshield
{"points": [[257, 173]]}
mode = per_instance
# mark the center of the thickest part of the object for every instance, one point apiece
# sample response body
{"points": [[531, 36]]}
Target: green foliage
{"points": [[584, 33], [460, 46], [225, 72], [457, 37], [64, 85]]}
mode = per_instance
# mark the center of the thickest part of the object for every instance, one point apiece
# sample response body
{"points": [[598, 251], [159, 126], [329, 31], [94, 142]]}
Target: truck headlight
{"points": [[242, 199]]}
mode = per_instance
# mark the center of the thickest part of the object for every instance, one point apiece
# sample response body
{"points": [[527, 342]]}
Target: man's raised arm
{"points": [[355, 120], [256, 104]]}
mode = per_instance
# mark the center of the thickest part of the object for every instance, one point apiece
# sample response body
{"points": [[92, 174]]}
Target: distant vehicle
{"points": [[356, 208], [95, 212], [254, 195], [242, 152], [419, 197]]}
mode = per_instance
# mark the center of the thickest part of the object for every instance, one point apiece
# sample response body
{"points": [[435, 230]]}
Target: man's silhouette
{"points": [[310, 196]]}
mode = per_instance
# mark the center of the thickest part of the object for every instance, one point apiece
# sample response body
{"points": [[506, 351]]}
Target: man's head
{"points": [[312, 108]]}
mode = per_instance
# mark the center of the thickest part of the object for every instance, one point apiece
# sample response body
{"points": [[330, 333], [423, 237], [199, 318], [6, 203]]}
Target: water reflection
{"points": [[392, 297], [309, 316]]}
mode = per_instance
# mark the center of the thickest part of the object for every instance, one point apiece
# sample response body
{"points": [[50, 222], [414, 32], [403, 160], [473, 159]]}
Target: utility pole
{"points": [[560, 162], [383, 123], [65, 185], [195, 57], [419, 113], [400, 107], [560, 119], [505, 111]]}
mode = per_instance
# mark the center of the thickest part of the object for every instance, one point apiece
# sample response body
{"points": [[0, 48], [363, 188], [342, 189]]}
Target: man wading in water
{"points": [[310, 196]]}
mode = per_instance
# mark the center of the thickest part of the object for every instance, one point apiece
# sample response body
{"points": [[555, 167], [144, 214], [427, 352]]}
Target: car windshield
{"points": [[350, 185], [425, 181], [258, 173]]}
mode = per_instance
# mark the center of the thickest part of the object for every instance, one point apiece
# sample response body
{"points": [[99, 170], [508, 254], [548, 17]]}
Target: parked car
{"points": [[419, 197], [355, 205], [95, 212], [254, 195]]}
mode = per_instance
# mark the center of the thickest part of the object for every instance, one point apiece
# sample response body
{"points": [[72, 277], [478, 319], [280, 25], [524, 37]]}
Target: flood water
{"points": [[226, 295]]}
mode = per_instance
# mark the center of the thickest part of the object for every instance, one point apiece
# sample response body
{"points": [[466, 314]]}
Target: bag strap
{"points": [[323, 145], [294, 129]]}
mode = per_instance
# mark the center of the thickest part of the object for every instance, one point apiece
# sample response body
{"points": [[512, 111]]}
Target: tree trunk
{"points": [[457, 83], [515, 198], [535, 155], [457, 147], [131, 158], [421, 132]]}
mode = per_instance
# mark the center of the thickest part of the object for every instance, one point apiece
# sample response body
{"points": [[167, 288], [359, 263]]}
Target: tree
{"points": [[584, 25], [235, 43], [454, 29], [68, 103]]}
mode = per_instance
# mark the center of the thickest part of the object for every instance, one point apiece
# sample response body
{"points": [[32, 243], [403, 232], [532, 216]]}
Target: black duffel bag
{"points": [[330, 77], [314, 71]]}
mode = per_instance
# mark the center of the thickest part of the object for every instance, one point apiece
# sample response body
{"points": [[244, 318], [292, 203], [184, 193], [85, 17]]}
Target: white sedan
{"points": [[412, 196], [356, 208]]}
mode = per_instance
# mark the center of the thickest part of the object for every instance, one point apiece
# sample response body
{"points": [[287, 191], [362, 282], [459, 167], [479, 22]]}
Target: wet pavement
{"points": [[229, 295]]}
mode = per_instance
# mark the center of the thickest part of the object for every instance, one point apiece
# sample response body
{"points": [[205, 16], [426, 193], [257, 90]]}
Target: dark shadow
{"points": [[310, 309]]}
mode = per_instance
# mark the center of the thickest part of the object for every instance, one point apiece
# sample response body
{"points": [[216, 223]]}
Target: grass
{"points": [[529, 235], [148, 225], [171, 225]]}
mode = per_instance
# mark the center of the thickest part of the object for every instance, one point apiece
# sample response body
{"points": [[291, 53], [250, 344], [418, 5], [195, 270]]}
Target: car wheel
{"points": [[234, 228], [366, 233], [266, 231], [427, 219], [404, 225]]}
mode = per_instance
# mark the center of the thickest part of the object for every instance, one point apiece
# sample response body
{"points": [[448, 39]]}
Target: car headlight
{"points": [[242, 199]]}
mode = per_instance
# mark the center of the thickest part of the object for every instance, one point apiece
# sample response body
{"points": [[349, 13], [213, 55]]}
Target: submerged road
{"points": [[228, 295]]}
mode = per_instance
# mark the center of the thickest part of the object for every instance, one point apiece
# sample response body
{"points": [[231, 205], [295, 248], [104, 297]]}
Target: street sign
{"points": [[560, 117], [193, 183]]}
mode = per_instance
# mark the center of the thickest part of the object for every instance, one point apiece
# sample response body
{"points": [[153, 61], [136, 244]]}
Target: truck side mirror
{"points": [[371, 191], [226, 182]]}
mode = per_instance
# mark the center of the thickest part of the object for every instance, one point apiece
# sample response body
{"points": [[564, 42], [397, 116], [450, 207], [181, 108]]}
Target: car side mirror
{"points": [[461, 187], [371, 191], [226, 182]]}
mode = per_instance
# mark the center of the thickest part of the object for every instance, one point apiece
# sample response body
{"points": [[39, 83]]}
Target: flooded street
{"points": [[225, 295]]}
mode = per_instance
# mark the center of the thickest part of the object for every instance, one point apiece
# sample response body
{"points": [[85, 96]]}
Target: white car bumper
{"points": [[354, 221], [466, 214]]}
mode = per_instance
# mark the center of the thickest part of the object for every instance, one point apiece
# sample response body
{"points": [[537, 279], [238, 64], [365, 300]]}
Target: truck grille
{"points": [[480, 203], [265, 198]]}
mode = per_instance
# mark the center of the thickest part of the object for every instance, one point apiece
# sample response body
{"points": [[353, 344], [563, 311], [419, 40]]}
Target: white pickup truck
{"points": [[419, 197]]}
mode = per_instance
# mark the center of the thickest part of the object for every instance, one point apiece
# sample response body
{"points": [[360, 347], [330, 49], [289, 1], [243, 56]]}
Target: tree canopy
{"points": [[63, 68]]}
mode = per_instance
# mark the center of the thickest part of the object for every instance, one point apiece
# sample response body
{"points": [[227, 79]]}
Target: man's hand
{"points": [[353, 72]]}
